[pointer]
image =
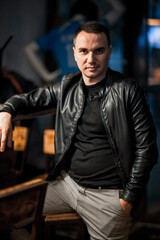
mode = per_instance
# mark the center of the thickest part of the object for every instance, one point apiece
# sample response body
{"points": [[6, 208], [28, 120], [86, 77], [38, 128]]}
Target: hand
{"points": [[5, 130], [126, 206]]}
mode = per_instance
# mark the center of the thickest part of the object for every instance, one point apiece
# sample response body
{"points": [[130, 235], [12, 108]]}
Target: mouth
{"points": [[92, 68]]}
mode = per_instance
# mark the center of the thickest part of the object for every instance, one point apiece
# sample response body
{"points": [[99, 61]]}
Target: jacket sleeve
{"points": [[38, 100], [145, 152]]}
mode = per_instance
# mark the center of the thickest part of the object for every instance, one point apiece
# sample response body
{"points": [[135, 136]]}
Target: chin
{"points": [[92, 74]]}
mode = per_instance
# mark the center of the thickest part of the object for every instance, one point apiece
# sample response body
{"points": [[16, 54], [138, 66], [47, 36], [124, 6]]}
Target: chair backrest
{"points": [[48, 141], [23, 204], [20, 138], [48, 148]]}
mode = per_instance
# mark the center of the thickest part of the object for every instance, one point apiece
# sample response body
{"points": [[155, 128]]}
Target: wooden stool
{"points": [[65, 218]]}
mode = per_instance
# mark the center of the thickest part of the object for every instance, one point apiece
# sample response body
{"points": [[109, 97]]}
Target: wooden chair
{"points": [[48, 148], [22, 204], [20, 147]]}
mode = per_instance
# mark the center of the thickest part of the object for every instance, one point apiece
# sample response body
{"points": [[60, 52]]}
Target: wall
{"points": [[26, 21]]}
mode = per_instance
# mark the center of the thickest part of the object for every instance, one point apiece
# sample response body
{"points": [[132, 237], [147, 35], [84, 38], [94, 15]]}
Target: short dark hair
{"points": [[92, 27]]}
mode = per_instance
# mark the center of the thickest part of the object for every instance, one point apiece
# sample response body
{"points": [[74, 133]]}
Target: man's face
{"points": [[92, 54]]}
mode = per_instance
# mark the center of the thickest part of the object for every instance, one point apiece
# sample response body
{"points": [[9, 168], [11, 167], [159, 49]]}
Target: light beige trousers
{"points": [[99, 208]]}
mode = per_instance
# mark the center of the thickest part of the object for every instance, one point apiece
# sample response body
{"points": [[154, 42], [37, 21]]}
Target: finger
{"points": [[3, 142], [9, 138], [5, 124], [0, 140]]}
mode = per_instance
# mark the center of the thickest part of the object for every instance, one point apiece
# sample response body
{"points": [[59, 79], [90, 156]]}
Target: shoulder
{"points": [[68, 78], [71, 77], [68, 82], [118, 79]]}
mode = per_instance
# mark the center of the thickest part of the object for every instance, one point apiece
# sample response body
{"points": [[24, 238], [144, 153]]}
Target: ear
{"points": [[74, 52]]}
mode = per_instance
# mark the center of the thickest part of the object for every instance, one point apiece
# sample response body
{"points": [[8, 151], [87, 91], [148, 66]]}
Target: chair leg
{"points": [[49, 232], [85, 235]]}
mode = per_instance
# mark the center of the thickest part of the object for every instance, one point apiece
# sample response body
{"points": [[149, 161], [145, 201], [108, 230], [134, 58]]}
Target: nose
{"points": [[91, 57]]}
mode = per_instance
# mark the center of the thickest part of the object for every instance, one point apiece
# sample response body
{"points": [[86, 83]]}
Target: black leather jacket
{"points": [[125, 115]]}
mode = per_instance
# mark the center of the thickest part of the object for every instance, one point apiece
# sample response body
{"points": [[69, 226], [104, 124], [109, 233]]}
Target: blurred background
{"points": [[135, 36]]}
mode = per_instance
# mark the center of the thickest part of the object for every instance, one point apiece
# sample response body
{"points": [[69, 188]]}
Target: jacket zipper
{"points": [[73, 130], [111, 141]]}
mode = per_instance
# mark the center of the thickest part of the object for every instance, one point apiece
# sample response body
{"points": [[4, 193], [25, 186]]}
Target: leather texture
{"points": [[125, 114]]}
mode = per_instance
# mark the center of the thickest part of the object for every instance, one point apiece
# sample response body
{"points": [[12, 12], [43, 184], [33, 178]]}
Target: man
{"points": [[105, 139]]}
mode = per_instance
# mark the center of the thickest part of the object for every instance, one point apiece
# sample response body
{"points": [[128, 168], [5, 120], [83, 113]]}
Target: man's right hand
{"points": [[5, 130]]}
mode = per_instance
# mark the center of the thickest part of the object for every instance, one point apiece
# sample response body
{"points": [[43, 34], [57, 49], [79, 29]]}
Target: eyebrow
{"points": [[98, 48], [82, 48]]}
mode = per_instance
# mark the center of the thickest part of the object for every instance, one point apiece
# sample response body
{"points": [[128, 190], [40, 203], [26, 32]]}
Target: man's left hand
{"points": [[126, 206]]}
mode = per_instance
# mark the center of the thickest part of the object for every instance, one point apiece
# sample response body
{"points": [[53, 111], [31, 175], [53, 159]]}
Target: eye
{"points": [[83, 50], [99, 51]]}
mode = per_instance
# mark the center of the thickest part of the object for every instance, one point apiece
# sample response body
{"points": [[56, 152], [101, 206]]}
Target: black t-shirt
{"points": [[91, 159]]}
